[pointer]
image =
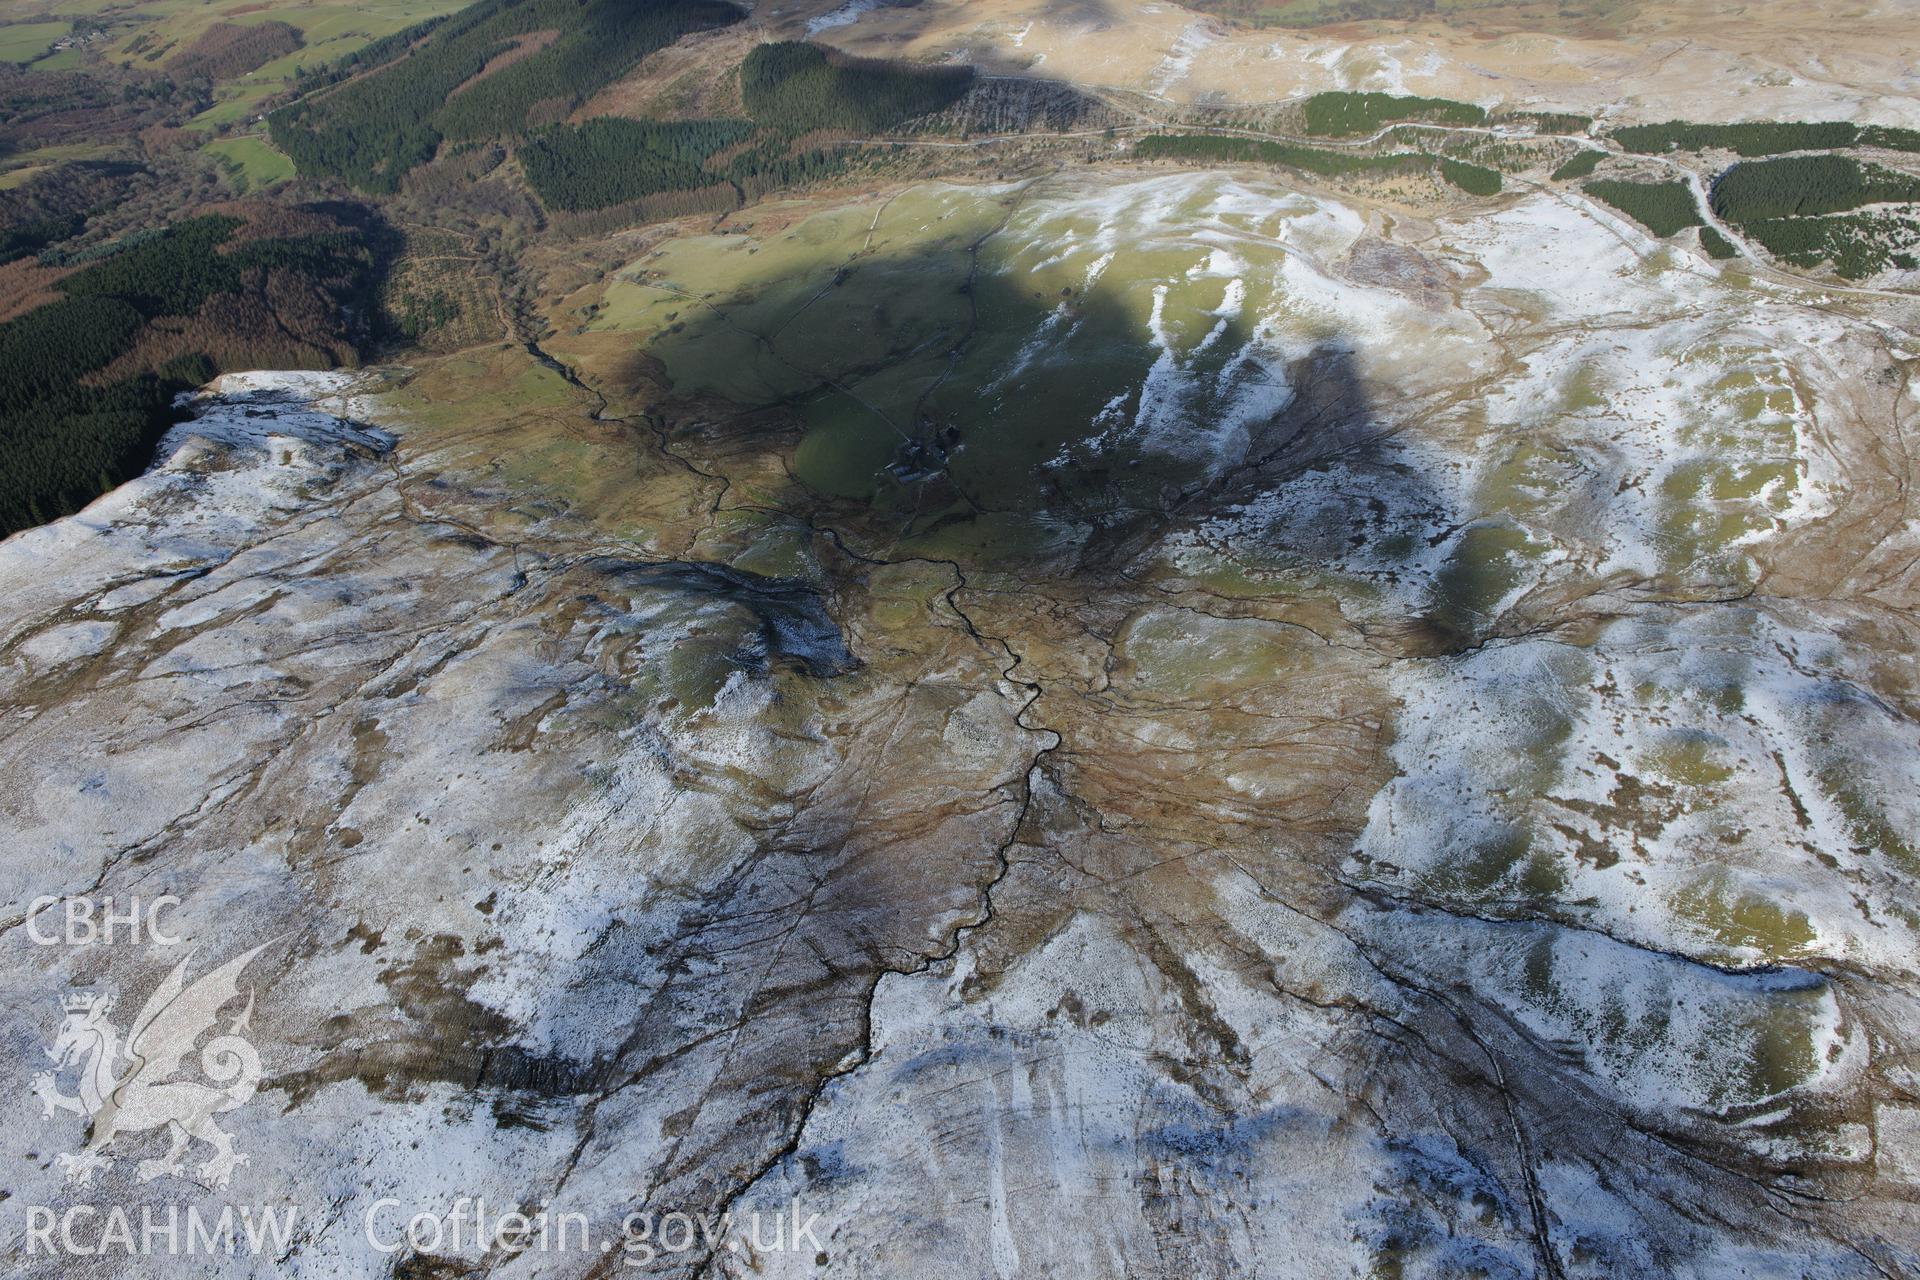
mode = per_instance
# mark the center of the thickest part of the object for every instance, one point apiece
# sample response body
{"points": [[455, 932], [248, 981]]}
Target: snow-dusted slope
{"points": [[1417, 775]]}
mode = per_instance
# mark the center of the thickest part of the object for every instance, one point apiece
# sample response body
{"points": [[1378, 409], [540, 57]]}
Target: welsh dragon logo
{"points": [[127, 1086]]}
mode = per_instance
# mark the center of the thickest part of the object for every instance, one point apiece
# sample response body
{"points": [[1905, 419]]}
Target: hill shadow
{"points": [[926, 408]]}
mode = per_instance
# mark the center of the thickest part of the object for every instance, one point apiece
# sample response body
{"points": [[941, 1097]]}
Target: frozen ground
{"points": [[1251, 736]]}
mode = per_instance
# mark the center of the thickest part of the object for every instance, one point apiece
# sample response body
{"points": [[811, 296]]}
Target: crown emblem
{"points": [[81, 1003]]}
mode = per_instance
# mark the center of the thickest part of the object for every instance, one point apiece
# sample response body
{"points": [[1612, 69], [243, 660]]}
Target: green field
{"points": [[253, 159], [26, 40], [71, 58], [147, 34], [333, 31], [20, 177], [235, 106], [328, 30], [23, 166]]}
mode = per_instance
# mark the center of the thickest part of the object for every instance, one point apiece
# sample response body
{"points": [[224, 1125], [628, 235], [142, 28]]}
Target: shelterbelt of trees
{"points": [[1471, 178], [1338, 114], [371, 128], [1857, 245], [87, 381], [1800, 186], [1663, 208], [1787, 205], [1762, 137]]}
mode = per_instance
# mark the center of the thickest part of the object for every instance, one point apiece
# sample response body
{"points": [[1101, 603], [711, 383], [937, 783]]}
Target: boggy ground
{"points": [[1102, 725]]}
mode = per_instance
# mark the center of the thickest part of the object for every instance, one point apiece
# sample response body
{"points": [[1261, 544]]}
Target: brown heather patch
{"points": [[225, 50], [282, 326], [261, 220], [524, 46], [691, 78], [158, 139], [26, 284]]}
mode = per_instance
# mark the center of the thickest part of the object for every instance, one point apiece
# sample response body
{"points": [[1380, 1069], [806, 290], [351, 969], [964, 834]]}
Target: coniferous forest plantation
{"points": [[87, 380]]}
